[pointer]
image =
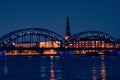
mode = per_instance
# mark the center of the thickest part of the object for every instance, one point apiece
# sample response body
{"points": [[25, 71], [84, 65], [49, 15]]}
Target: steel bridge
{"points": [[91, 38], [43, 39], [30, 35], [93, 35]]}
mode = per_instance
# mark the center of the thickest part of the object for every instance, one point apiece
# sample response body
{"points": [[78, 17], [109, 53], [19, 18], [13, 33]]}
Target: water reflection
{"points": [[52, 72], [95, 69], [94, 73], [5, 68], [43, 68], [60, 68], [103, 68]]}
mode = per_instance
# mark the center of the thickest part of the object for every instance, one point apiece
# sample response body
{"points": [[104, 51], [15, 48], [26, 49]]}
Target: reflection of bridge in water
{"points": [[43, 41]]}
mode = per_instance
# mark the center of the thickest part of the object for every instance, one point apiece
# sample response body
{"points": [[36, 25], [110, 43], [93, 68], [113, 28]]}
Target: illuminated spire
{"points": [[67, 33]]}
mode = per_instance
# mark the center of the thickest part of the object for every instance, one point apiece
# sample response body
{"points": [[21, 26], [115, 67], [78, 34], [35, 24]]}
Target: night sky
{"points": [[85, 15]]}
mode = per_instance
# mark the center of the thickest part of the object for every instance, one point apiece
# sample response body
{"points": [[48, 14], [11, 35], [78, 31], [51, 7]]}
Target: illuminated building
{"points": [[25, 45], [47, 44], [50, 44], [91, 44]]}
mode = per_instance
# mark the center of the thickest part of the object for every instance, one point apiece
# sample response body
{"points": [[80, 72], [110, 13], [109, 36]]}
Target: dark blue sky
{"points": [[85, 15]]}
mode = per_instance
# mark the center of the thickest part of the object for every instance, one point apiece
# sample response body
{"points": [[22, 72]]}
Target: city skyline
{"points": [[84, 16], [59, 39]]}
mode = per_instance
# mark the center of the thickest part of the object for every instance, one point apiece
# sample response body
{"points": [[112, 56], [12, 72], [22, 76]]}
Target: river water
{"points": [[60, 68]]}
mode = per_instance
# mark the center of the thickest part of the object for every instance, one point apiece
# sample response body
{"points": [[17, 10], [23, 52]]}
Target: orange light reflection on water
{"points": [[94, 73], [103, 68], [52, 72]]}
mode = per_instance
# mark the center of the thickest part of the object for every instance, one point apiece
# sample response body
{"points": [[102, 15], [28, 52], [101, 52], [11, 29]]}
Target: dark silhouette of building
{"points": [[67, 33]]}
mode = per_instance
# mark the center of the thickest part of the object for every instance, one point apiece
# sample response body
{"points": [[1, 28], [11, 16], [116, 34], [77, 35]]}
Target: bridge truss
{"points": [[30, 35], [32, 38], [92, 40], [43, 39]]}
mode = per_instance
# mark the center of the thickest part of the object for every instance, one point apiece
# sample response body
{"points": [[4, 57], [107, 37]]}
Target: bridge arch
{"points": [[92, 42], [48, 34], [97, 35]]}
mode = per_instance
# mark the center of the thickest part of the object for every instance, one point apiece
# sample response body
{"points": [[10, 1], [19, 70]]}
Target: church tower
{"points": [[67, 32]]}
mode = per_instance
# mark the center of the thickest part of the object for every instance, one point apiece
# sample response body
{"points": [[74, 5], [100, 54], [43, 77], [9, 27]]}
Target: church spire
{"points": [[67, 33]]}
